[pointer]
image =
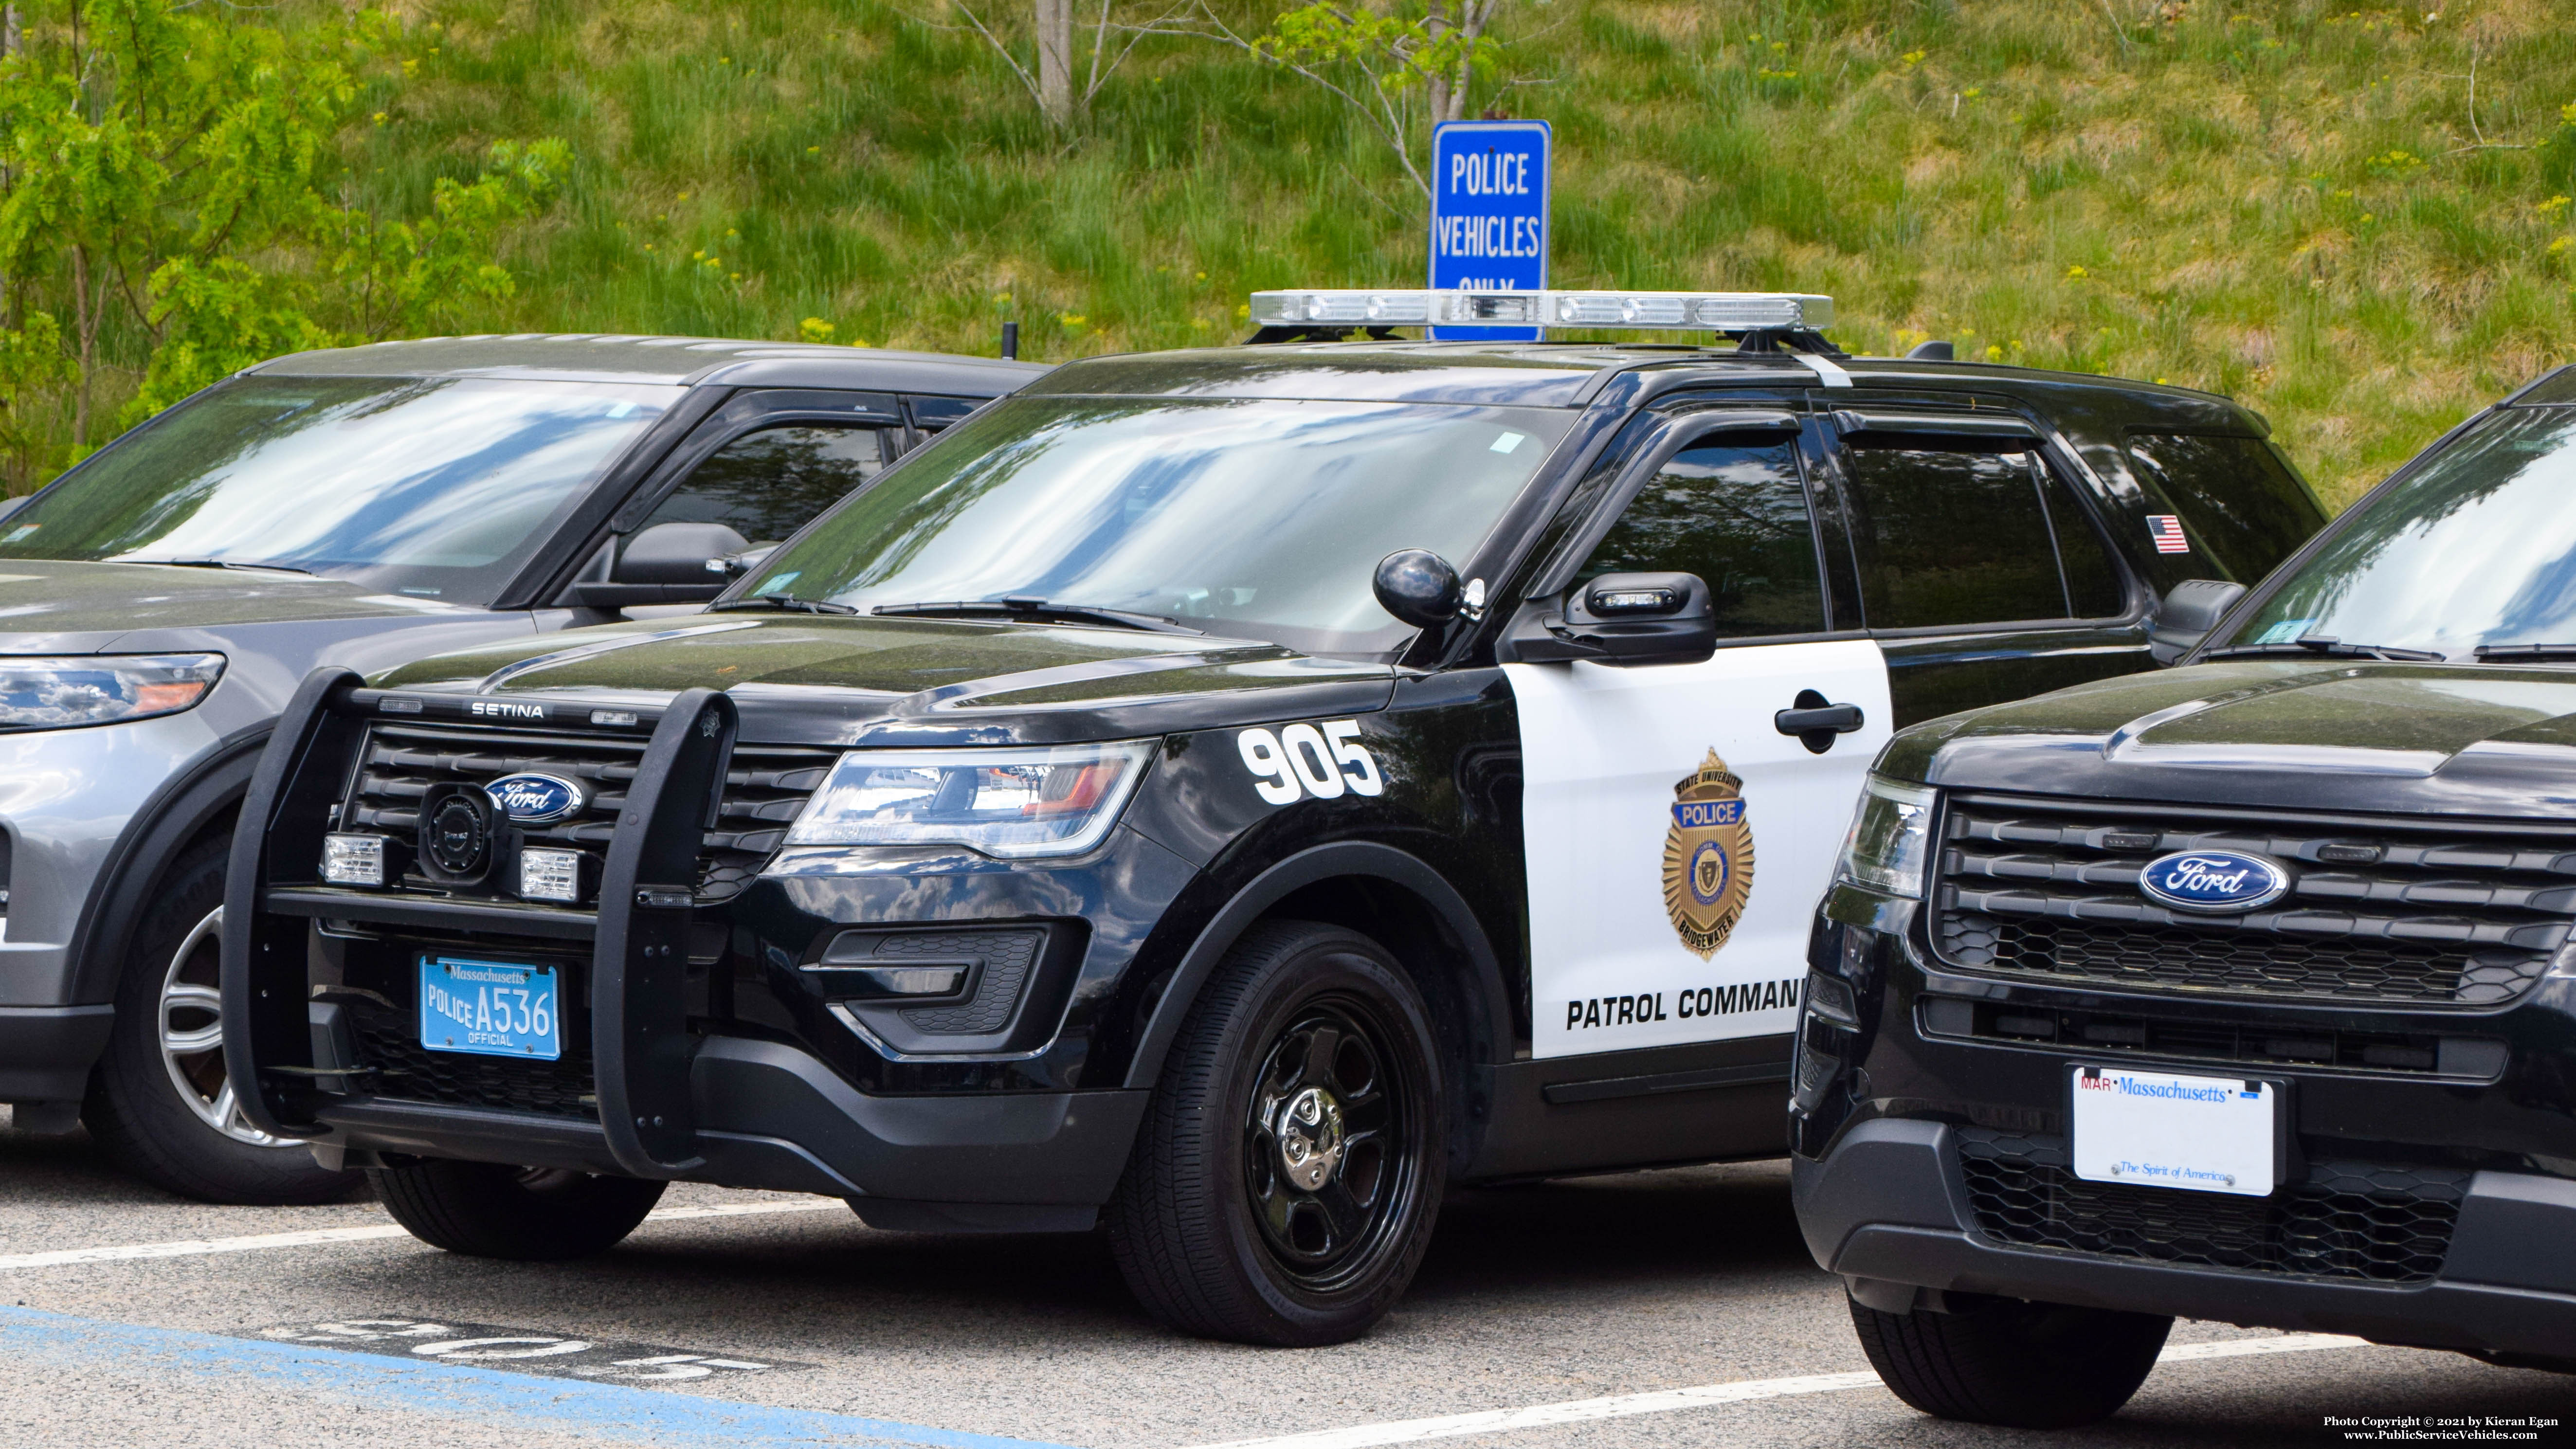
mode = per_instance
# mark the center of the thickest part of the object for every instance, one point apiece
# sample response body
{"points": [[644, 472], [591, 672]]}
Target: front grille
{"points": [[2201, 1040], [390, 1044], [2371, 1221], [2377, 911], [765, 789]]}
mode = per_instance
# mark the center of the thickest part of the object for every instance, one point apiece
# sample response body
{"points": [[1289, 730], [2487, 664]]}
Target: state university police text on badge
{"points": [[1708, 856]]}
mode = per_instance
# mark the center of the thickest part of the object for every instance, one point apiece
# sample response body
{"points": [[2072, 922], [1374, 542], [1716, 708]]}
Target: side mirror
{"points": [[1624, 619], [669, 563], [1419, 587], [2189, 611], [677, 553]]}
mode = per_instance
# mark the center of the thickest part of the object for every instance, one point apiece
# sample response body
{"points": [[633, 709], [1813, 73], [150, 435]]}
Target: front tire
{"points": [[524, 1214], [2020, 1365], [159, 1100], [1284, 1183]]}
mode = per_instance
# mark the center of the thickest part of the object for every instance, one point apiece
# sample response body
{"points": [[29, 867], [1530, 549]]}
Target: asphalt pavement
{"points": [[1672, 1308]]}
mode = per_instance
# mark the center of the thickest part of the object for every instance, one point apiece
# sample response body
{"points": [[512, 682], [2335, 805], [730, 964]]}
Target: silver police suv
{"points": [[362, 506]]}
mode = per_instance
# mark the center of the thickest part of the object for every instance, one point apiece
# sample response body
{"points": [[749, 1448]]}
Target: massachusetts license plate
{"points": [[2155, 1129], [490, 1008]]}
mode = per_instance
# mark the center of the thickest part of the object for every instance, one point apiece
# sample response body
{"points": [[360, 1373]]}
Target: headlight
{"points": [[89, 689], [1890, 835], [1012, 803]]}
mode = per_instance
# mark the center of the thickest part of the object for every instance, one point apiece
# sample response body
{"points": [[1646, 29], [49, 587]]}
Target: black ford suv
{"points": [[2242, 991], [1239, 791]]}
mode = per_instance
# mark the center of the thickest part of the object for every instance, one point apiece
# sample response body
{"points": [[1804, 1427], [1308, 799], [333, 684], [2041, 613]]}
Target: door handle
{"points": [[1815, 720]]}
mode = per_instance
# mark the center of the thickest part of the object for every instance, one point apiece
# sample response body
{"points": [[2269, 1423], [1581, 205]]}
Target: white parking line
{"points": [[309, 1237], [2247, 1347], [1495, 1421]]}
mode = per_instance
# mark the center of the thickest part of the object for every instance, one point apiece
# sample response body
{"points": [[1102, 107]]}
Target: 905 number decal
{"points": [[1303, 760]]}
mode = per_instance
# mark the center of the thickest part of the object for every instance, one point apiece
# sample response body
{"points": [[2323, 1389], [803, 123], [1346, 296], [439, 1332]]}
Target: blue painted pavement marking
{"points": [[493, 1397]]}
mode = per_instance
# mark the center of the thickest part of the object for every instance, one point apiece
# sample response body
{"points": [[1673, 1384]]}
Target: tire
{"points": [[525, 1214], [2020, 1365], [159, 1102], [1283, 1185]]}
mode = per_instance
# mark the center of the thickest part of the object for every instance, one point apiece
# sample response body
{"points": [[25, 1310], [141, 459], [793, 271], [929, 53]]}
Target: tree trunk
{"points": [[1436, 91], [1055, 60], [85, 324]]}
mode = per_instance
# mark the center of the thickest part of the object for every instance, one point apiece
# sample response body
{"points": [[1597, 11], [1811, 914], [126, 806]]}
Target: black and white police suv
{"points": [[2245, 991], [1237, 792]]}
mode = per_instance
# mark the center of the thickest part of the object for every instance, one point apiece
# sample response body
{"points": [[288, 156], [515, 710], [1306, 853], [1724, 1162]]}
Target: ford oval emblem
{"points": [[2213, 881], [537, 799]]}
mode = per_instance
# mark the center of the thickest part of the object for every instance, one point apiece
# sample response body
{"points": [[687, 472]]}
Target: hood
{"points": [[2294, 734], [51, 605], [847, 681]]}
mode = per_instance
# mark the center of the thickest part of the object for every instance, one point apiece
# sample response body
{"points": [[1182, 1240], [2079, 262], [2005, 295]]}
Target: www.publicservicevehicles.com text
{"points": [[2477, 1428]]}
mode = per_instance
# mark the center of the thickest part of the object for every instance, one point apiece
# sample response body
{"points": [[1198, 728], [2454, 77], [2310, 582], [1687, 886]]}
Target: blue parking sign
{"points": [[1489, 213]]}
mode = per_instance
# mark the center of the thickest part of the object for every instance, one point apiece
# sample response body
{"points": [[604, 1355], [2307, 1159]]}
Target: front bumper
{"points": [[2429, 1205], [1887, 1204], [681, 1057], [67, 798], [46, 1051], [767, 1115]]}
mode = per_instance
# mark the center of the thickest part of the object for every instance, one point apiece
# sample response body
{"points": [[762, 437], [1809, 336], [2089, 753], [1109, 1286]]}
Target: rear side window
{"points": [[2242, 508], [1951, 536], [1734, 513]]}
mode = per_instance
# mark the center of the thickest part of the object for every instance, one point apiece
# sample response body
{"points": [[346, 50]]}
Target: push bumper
{"points": [[771, 1116], [1887, 1205], [669, 1099]]}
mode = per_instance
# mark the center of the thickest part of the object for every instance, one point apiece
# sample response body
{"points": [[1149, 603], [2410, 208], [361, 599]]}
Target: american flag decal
{"points": [[2166, 530]]}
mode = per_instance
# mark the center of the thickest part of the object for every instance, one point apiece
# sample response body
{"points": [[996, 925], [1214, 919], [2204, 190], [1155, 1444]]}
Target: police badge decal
{"points": [[1708, 856]]}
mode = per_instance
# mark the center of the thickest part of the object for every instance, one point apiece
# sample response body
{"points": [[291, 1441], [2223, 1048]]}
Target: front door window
{"points": [[1676, 840]]}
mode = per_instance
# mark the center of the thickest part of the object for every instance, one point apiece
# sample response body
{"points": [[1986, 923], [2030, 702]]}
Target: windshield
{"points": [[435, 487], [2477, 548], [1263, 519]]}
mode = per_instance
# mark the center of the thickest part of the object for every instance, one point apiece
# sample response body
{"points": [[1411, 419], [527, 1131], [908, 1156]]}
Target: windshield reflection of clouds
{"points": [[2479, 549], [412, 482], [454, 477], [1269, 513]]}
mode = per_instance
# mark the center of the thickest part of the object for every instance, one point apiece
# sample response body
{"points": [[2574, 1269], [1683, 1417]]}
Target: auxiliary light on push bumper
{"points": [[1676, 311], [279, 882]]}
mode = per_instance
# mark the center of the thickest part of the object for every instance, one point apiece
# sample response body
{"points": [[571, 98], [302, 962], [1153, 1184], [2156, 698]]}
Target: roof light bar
{"points": [[1692, 311]]}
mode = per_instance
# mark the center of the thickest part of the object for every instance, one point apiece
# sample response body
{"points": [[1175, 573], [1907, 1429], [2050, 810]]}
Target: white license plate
{"points": [[2155, 1129]]}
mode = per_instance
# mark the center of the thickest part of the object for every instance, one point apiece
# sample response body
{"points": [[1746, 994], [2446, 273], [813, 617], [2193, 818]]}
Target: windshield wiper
{"points": [[788, 602], [2318, 645], [1029, 606], [222, 563], [2523, 653]]}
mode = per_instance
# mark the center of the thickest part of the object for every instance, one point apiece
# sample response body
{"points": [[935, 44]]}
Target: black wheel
{"points": [[529, 1214], [1284, 1182], [2020, 1365], [159, 1101]]}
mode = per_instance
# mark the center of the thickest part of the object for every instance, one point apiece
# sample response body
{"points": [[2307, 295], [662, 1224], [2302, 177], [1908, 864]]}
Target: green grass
{"points": [[2286, 201]]}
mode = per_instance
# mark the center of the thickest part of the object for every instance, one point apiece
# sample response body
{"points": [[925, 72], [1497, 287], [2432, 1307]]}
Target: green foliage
{"points": [[2209, 191], [2557, 154], [1392, 53], [2176, 190], [163, 209]]}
